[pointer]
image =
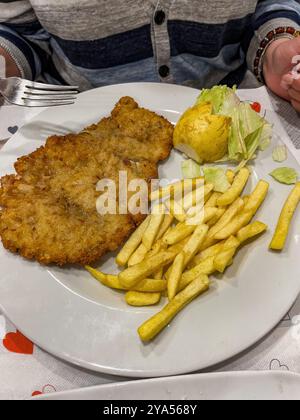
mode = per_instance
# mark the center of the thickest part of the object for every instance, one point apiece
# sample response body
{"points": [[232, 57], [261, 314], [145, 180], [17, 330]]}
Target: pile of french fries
{"points": [[169, 256]]}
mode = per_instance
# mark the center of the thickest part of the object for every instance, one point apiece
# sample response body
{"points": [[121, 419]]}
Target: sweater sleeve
{"points": [[269, 15], [18, 24]]}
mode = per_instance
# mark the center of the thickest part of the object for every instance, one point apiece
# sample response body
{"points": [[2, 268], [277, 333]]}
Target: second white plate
{"points": [[227, 386]]}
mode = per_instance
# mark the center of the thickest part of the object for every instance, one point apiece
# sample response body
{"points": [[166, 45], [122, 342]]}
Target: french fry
{"points": [[158, 322], [141, 253], [231, 242], [208, 197], [138, 255], [246, 199], [212, 202], [228, 215], [113, 282], [132, 244], [216, 218], [282, 230], [178, 233], [176, 209], [193, 211], [253, 204], [207, 213], [230, 174], [151, 286], [250, 231], [177, 188], [98, 275], [224, 259], [156, 220], [197, 206], [142, 299], [197, 196], [193, 198], [166, 191], [159, 274], [157, 247], [132, 275], [212, 251], [178, 247], [257, 197], [175, 275], [167, 232], [194, 244], [204, 216], [168, 220], [234, 226], [236, 189], [205, 267]]}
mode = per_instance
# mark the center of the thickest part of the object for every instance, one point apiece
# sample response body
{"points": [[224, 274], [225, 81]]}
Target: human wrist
{"points": [[268, 63], [271, 75]]}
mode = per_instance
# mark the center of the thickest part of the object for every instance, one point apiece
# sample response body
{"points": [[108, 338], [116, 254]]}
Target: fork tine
{"points": [[43, 86], [34, 103], [51, 97], [42, 93]]}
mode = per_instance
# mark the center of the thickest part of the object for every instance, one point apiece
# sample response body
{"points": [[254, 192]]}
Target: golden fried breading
{"points": [[49, 207], [135, 133]]}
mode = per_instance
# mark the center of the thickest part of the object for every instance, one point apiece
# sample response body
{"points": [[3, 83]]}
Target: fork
{"points": [[32, 94]]}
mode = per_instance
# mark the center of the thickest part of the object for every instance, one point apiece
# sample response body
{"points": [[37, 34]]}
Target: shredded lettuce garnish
{"points": [[285, 175], [280, 154], [222, 98], [217, 177], [190, 169]]}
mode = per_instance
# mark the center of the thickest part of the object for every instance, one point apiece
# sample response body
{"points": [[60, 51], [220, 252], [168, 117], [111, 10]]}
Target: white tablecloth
{"points": [[25, 370]]}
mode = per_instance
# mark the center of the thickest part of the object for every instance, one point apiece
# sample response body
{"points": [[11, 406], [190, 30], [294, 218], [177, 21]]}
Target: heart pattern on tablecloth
{"points": [[276, 364], [16, 342], [13, 130], [47, 389], [36, 393]]}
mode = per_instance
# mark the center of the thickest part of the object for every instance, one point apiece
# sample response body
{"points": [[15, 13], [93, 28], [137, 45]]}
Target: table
{"points": [[26, 370]]}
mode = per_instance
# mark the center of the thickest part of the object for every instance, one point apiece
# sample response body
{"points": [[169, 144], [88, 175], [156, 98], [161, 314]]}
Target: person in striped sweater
{"points": [[198, 43]]}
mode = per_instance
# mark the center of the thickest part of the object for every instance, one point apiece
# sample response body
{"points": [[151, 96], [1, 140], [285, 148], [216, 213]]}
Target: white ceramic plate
{"points": [[250, 386], [69, 314]]}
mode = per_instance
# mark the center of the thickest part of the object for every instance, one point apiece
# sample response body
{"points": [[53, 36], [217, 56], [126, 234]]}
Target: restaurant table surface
{"points": [[26, 370]]}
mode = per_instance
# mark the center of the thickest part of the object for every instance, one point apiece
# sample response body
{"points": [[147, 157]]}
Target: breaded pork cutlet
{"points": [[49, 207]]}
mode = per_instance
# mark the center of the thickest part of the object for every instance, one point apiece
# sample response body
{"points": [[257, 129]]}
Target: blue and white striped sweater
{"points": [[99, 42]]}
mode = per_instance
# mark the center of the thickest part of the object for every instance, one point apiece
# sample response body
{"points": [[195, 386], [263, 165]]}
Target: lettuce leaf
{"points": [[222, 99], [217, 177], [266, 136], [285, 175], [190, 169], [280, 154], [248, 131]]}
